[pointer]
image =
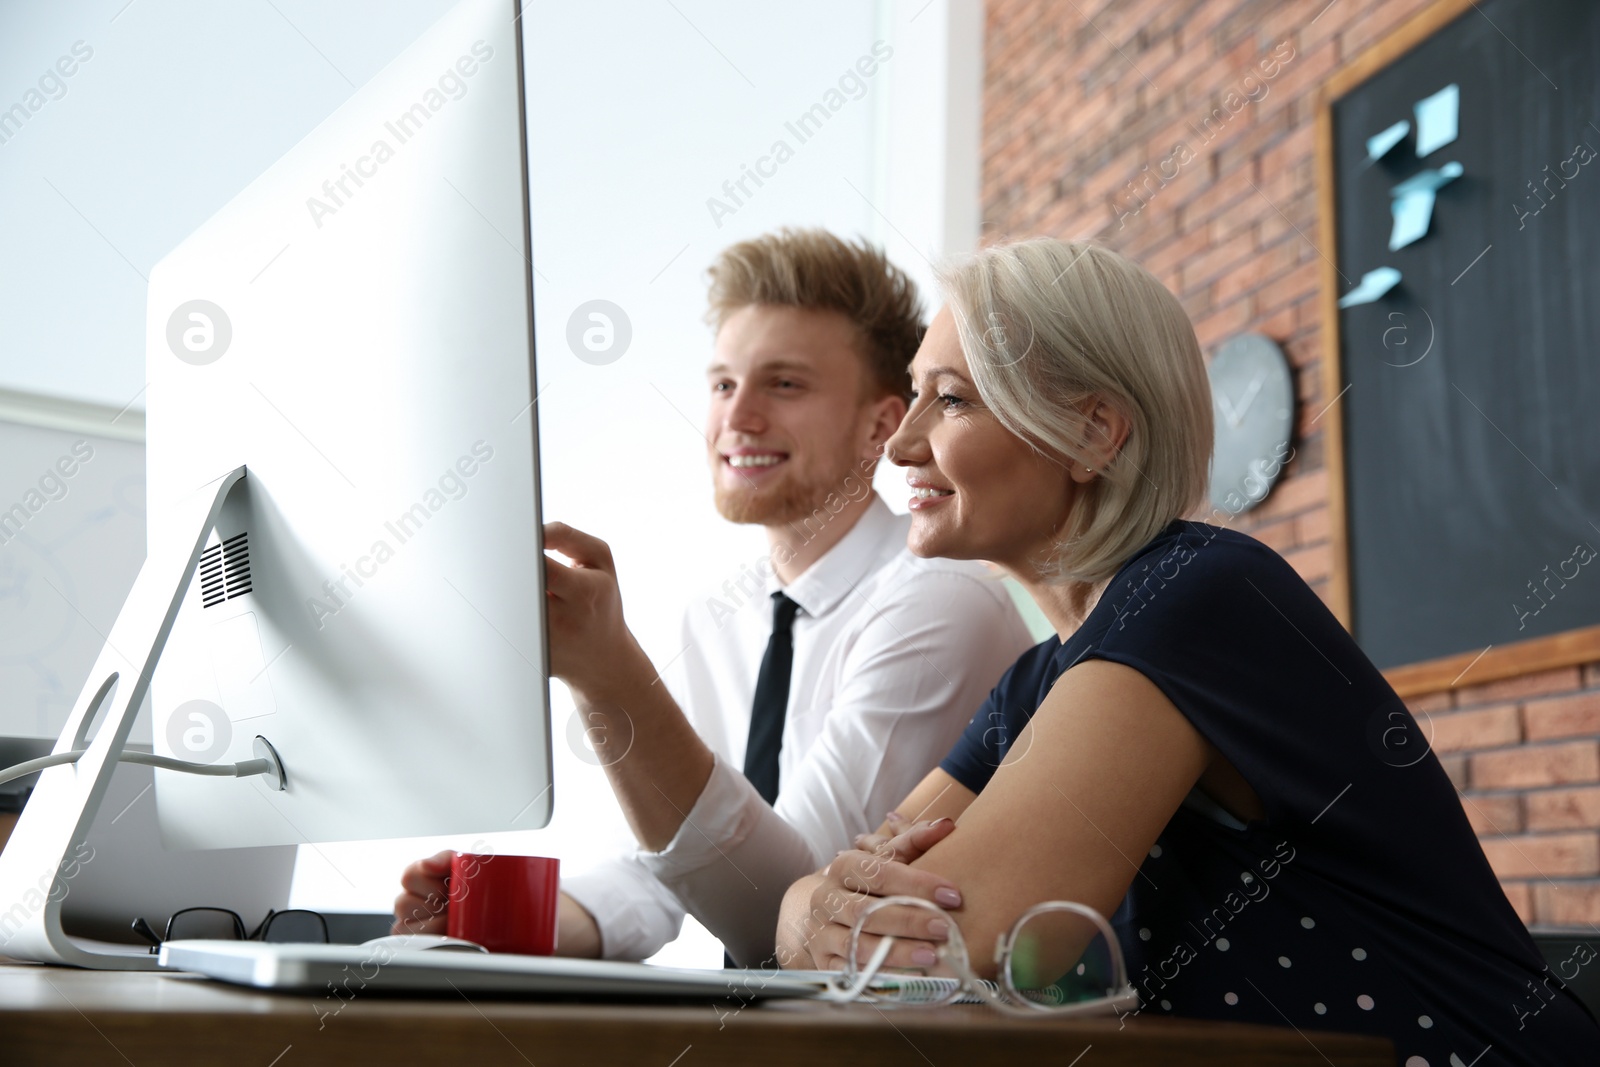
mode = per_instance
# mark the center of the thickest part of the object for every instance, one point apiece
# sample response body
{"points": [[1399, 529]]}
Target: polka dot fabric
{"points": [[1361, 902]]}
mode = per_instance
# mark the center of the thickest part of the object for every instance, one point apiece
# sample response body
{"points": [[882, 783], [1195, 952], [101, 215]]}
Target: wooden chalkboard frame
{"points": [[1577, 646]]}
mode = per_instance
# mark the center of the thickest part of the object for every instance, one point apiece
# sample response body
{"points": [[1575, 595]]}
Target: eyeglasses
{"points": [[1059, 959], [223, 924]]}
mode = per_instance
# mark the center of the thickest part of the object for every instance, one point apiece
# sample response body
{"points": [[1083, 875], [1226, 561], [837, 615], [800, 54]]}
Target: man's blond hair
{"points": [[813, 270]]}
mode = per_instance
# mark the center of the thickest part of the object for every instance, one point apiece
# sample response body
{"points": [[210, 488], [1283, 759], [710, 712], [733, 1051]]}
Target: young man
{"points": [[819, 685]]}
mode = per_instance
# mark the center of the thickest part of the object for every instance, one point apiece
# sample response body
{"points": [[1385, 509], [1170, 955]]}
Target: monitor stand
{"points": [[46, 848]]}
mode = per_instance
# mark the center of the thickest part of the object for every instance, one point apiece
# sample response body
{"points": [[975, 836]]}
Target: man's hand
{"points": [[424, 899], [589, 641], [423, 908], [820, 911]]}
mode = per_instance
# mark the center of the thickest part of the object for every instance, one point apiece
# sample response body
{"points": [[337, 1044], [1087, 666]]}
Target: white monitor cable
{"points": [[266, 764]]}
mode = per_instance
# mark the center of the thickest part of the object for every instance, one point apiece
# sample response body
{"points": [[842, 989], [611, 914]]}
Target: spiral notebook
{"points": [[931, 989]]}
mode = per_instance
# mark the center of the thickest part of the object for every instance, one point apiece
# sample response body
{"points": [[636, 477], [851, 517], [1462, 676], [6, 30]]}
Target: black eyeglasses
{"points": [[296, 926]]}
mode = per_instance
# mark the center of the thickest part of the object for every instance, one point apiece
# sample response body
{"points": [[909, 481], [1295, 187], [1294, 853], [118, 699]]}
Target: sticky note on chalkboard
{"points": [[1429, 180], [1412, 206], [1381, 144], [1373, 285], [1438, 117], [1412, 212]]}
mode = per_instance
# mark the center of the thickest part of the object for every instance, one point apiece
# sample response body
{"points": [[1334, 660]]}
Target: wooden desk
{"points": [[58, 1016]]}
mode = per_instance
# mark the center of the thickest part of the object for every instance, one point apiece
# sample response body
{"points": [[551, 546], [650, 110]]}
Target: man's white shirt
{"points": [[893, 655]]}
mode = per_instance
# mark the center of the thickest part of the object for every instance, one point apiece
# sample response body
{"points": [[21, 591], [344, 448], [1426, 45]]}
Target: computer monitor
{"points": [[343, 450], [355, 329]]}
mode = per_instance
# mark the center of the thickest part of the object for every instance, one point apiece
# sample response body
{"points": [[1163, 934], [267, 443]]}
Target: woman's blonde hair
{"points": [[1047, 324]]}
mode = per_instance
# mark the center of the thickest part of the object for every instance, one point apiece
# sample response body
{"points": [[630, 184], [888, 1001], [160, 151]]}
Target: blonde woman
{"points": [[1202, 752]]}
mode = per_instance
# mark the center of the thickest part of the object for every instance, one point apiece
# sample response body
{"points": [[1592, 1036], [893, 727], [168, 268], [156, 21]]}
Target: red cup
{"points": [[505, 903]]}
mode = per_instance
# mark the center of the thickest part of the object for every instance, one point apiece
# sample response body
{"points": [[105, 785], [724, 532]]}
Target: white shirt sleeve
{"points": [[912, 679], [731, 862], [636, 914]]}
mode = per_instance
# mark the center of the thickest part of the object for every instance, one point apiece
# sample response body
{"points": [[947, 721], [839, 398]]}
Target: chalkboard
{"points": [[1470, 393]]}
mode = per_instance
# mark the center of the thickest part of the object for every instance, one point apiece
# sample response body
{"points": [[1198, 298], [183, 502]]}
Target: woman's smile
{"points": [[926, 494], [978, 491]]}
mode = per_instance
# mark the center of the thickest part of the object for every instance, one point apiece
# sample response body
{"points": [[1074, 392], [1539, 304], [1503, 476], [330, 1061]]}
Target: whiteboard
{"points": [[72, 539]]}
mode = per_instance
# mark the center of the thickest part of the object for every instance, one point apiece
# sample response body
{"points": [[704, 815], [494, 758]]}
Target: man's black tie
{"points": [[768, 709], [771, 702]]}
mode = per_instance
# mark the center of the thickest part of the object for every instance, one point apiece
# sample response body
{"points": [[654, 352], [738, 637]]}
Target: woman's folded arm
{"points": [[1079, 800], [1077, 803]]}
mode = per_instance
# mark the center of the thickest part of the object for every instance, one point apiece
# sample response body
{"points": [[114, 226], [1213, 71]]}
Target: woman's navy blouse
{"points": [[1362, 901]]}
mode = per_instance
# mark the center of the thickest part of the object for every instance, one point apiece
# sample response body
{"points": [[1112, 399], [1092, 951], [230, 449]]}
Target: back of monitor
{"points": [[354, 329]]}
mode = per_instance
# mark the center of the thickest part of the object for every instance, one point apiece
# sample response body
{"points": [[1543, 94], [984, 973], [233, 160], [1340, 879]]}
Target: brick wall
{"points": [[1180, 132], [1525, 752]]}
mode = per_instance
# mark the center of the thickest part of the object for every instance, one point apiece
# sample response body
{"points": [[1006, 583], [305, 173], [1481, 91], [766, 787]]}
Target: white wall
{"points": [[640, 111]]}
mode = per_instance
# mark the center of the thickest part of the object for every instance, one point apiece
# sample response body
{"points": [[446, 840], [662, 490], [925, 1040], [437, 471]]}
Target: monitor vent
{"points": [[225, 570]]}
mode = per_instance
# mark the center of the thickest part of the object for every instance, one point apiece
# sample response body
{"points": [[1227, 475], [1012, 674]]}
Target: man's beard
{"points": [[791, 498]]}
